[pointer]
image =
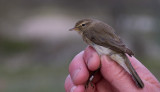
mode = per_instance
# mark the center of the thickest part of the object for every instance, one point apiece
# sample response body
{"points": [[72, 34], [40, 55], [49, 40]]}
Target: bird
{"points": [[105, 41]]}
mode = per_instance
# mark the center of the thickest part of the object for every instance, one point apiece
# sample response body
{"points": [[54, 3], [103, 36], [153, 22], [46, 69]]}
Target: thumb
{"points": [[116, 75]]}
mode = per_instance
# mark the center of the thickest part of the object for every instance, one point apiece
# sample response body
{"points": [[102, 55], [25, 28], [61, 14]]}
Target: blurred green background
{"points": [[36, 46]]}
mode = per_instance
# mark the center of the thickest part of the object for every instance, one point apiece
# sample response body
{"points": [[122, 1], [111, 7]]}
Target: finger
{"points": [[138, 66], [142, 71], [70, 87], [91, 58], [78, 70], [116, 75], [104, 86], [68, 84]]}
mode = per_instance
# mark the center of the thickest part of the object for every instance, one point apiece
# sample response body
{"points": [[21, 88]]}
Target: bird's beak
{"points": [[74, 29]]}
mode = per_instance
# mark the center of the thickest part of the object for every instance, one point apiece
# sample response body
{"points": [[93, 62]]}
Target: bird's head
{"points": [[82, 25]]}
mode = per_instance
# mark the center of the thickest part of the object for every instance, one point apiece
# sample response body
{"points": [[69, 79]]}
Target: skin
{"points": [[111, 77]]}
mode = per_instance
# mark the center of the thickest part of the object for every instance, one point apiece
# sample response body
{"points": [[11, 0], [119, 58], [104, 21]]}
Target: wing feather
{"points": [[105, 36]]}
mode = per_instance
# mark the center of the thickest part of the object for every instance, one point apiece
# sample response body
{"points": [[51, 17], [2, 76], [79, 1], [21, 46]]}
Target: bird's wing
{"points": [[109, 39]]}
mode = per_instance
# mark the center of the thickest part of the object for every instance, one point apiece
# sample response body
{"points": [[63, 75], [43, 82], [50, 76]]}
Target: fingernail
{"points": [[75, 74], [88, 54], [89, 60], [72, 89]]}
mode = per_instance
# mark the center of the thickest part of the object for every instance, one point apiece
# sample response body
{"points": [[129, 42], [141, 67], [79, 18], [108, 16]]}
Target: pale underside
{"points": [[119, 58]]}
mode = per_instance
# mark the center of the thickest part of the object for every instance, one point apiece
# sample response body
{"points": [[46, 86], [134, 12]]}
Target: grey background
{"points": [[36, 46]]}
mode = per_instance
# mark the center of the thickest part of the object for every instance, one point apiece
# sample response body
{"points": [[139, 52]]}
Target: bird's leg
{"points": [[90, 79]]}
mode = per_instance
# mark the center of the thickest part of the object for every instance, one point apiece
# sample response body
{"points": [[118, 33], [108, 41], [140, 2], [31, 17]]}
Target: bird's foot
{"points": [[89, 82]]}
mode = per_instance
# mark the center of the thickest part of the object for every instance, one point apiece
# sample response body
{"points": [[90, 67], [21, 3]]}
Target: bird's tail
{"points": [[134, 74]]}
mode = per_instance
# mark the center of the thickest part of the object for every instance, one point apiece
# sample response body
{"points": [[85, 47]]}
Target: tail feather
{"points": [[134, 74], [123, 60]]}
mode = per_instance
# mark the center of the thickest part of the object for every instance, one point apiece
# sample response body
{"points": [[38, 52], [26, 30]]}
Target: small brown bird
{"points": [[104, 40]]}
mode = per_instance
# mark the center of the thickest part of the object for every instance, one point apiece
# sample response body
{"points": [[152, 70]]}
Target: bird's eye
{"points": [[83, 24]]}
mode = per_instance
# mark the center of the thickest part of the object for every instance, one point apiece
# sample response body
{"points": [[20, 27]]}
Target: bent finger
{"points": [[78, 70], [116, 75], [91, 58], [70, 87]]}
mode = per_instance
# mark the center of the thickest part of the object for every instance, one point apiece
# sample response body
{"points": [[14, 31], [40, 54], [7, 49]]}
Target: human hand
{"points": [[111, 78]]}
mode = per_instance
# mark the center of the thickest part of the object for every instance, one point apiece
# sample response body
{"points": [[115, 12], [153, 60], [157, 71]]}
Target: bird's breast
{"points": [[102, 50], [119, 58]]}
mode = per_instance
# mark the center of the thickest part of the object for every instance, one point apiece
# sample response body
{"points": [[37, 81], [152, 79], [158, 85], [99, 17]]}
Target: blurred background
{"points": [[36, 46]]}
